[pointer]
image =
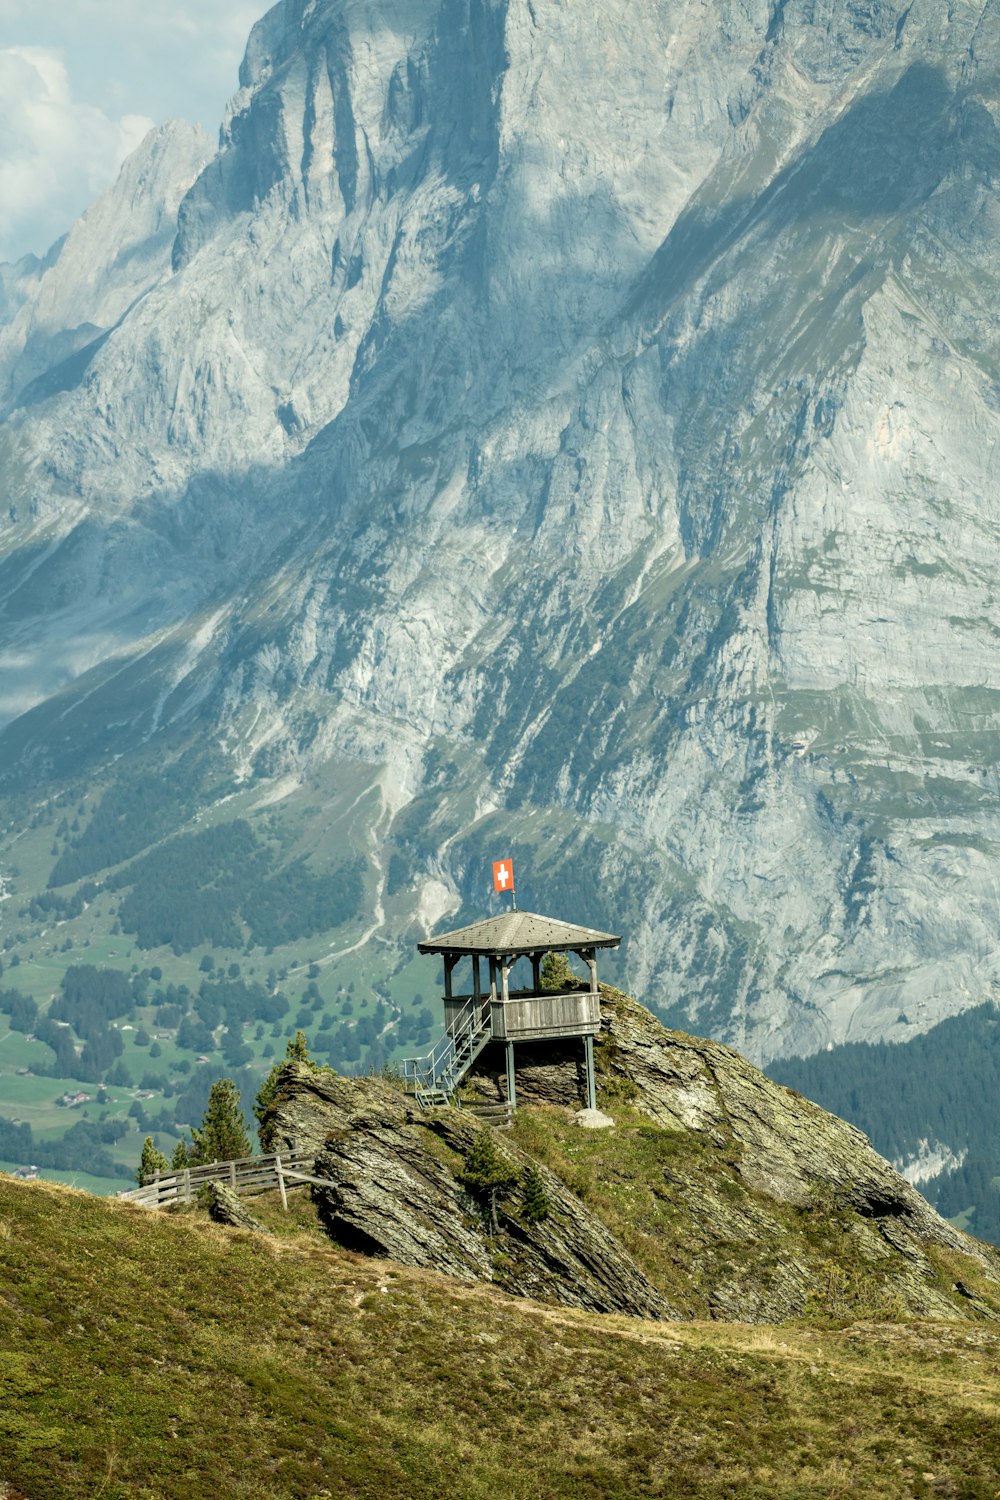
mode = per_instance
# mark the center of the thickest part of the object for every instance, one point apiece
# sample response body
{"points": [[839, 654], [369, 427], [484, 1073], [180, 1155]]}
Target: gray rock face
{"points": [[395, 1192], [58, 311], [227, 1207], [584, 412]]}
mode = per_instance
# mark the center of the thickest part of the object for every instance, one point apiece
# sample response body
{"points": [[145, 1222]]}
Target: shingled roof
{"points": [[518, 932]]}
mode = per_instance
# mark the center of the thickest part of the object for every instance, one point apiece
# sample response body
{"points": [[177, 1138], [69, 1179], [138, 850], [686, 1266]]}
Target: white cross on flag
{"points": [[503, 875]]}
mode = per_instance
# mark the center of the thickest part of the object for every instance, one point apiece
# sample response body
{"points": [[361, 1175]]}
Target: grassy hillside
{"points": [[160, 1356]]}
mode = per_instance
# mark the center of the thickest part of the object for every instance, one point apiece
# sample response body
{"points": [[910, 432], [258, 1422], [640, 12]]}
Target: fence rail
{"points": [[249, 1174]]}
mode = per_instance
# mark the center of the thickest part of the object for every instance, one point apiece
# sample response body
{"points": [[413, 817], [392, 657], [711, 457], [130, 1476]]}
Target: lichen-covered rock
{"points": [[395, 1190], [227, 1207], [852, 1215], [311, 1102], [790, 1147]]}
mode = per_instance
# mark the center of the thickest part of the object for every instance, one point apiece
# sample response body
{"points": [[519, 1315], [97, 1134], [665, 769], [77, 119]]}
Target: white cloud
{"points": [[56, 154]]}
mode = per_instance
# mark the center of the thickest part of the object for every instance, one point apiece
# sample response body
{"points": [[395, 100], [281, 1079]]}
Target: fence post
{"points": [[232, 1175], [187, 1184], [281, 1183]]}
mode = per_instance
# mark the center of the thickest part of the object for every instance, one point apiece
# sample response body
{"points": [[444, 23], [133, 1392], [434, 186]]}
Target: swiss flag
{"points": [[503, 875]]}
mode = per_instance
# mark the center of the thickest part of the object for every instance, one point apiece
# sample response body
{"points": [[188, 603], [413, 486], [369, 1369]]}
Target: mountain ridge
{"points": [[601, 408]]}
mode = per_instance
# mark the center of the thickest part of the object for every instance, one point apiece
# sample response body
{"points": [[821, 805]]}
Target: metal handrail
{"points": [[437, 1070]]}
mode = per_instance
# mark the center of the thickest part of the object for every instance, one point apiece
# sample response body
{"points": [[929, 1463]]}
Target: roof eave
{"points": [[430, 946]]}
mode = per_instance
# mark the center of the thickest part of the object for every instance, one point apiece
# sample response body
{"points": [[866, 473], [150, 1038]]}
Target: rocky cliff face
{"points": [[715, 1193], [584, 420], [395, 1191]]}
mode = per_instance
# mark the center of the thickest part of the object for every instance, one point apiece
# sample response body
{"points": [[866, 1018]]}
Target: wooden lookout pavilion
{"points": [[491, 1010]]}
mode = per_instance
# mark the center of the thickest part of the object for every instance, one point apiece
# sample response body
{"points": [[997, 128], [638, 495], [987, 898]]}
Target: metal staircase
{"points": [[433, 1078]]}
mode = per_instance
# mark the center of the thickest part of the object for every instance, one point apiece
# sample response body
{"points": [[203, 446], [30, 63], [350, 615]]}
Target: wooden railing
{"points": [[249, 1174]]}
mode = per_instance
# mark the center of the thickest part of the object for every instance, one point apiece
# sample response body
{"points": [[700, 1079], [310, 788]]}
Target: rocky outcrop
{"points": [[789, 1148], [787, 1154], [395, 1190], [736, 1197], [227, 1207]]}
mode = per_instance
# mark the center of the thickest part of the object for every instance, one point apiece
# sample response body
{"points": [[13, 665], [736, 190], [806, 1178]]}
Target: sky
{"points": [[81, 82]]}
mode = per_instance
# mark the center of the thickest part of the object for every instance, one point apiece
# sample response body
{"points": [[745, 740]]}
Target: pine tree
{"points": [[151, 1162], [181, 1158], [296, 1051], [488, 1174], [535, 1205], [557, 974], [222, 1135]]}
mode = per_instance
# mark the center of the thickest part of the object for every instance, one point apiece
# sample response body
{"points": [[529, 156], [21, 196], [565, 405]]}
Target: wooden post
{"points": [[511, 1091], [187, 1184], [232, 1175], [590, 959], [281, 1183], [477, 993], [450, 960], [588, 1052], [536, 972], [493, 980], [504, 976]]}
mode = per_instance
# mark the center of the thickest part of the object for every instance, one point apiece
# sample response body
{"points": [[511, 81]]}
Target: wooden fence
{"points": [[249, 1174]]}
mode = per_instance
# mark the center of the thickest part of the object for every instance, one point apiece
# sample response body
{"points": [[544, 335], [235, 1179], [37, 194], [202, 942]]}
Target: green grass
{"points": [[157, 1356], [674, 1199], [101, 1187]]}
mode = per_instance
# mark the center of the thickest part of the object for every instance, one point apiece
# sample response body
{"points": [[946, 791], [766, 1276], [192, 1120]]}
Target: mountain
{"points": [[542, 433]]}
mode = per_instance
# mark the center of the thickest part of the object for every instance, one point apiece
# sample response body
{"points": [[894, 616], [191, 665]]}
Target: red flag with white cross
{"points": [[503, 875]]}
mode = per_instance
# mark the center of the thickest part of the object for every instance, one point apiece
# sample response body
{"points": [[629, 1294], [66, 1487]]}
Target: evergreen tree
{"points": [[296, 1051], [181, 1157], [488, 1174], [557, 973], [535, 1205], [222, 1135], [151, 1162]]}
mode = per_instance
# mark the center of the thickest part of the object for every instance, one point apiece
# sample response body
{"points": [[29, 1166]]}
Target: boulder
{"points": [[227, 1207]]}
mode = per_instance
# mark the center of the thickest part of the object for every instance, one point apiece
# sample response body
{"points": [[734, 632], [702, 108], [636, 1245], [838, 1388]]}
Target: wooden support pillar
{"points": [[477, 993], [511, 1090], [492, 1000], [590, 959], [504, 978], [450, 960], [588, 1049], [536, 972]]}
